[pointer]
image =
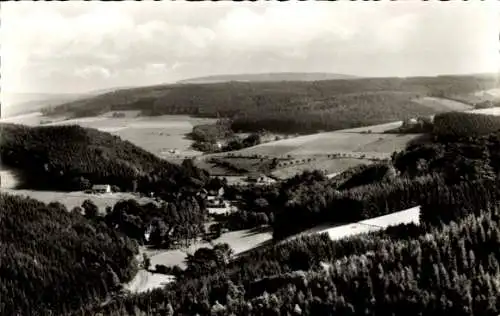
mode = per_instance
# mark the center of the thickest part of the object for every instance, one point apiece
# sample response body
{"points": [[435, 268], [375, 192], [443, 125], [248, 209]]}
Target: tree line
{"points": [[287, 107]]}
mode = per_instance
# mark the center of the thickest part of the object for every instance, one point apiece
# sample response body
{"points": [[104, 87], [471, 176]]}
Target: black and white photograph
{"points": [[250, 158]]}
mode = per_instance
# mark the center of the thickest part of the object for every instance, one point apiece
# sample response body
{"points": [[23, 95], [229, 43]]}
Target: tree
{"points": [[146, 261], [91, 210]]}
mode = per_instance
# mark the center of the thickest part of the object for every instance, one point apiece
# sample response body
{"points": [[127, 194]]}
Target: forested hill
{"points": [[270, 77], [52, 261], [73, 158], [303, 107]]}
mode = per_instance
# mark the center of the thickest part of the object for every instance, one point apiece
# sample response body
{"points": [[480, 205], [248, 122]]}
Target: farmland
{"points": [[68, 199], [72, 199], [240, 241], [331, 152], [158, 134]]}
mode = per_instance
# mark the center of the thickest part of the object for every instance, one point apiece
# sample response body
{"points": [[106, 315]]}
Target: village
{"points": [[216, 203]]}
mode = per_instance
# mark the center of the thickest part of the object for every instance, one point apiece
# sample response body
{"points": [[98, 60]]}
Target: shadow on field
{"points": [[258, 230], [262, 245]]}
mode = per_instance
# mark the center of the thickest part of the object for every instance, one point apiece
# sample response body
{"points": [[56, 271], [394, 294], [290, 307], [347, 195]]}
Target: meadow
{"points": [[73, 199], [330, 143], [156, 134]]}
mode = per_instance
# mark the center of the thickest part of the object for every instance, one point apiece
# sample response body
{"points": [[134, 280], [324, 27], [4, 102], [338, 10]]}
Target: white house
{"points": [[101, 188]]}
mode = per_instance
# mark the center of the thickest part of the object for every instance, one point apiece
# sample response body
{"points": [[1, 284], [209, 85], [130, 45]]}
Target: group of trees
{"points": [[459, 124], [206, 136], [286, 107], [237, 143], [179, 221], [55, 260], [73, 158]]}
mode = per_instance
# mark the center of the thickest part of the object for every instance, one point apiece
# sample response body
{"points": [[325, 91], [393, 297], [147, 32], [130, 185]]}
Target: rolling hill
{"points": [[69, 158], [297, 107], [18, 103], [269, 77], [22, 103]]}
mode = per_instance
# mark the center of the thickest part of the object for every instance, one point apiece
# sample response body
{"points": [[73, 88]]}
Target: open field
{"points": [[411, 215], [441, 104], [157, 134], [489, 111], [240, 241], [351, 147], [331, 143], [328, 165], [72, 199], [145, 281]]}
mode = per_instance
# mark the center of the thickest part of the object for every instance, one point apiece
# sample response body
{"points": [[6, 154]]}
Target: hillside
{"points": [[71, 158], [269, 77], [22, 103], [53, 260], [447, 265], [16, 103], [284, 107]]}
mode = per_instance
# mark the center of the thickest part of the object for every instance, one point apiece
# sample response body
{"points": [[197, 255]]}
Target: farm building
{"points": [[101, 188], [260, 179], [410, 122], [212, 194], [216, 203]]}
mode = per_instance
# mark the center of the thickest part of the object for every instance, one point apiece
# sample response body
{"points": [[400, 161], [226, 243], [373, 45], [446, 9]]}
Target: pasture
{"points": [[331, 143], [156, 134], [328, 165], [408, 216], [443, 105], [240, 241], [72, 199], [145, 281]]}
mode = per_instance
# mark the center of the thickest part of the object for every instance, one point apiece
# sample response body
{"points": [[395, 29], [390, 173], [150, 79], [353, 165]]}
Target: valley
{"points": [[340, 156]]}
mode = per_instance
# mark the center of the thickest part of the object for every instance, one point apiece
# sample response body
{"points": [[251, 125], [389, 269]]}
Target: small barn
{"points": [[101, 188]]}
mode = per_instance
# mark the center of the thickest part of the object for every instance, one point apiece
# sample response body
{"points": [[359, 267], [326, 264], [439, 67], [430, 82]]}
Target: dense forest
{"points": [[73, 158], [288, 107], [457, 124], [55, 260]]}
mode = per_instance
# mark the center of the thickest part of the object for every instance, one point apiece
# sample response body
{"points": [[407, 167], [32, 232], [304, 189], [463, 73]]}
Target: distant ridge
{"points": [[270, 77]]}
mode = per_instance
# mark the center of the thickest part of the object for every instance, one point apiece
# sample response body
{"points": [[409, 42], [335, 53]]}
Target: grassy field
{"points": [[325, 164], [411, 215], [145, 281], [240, 241], [445, 105], [331, 143], [157, 134], [329, 151], [490, 111], [72, 199]]}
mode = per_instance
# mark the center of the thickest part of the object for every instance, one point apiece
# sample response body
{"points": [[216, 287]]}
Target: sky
{"points": [[76, 46]]}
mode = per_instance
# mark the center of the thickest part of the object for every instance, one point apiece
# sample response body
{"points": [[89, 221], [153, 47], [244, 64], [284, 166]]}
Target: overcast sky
{"points": [[81, 46]]}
